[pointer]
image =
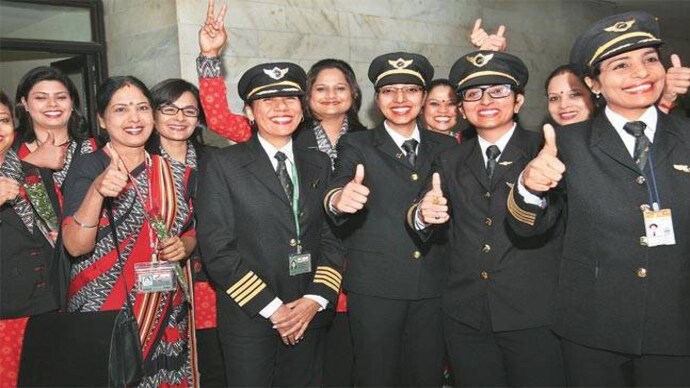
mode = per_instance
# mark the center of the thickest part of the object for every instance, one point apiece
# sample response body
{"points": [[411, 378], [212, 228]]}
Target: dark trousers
{"points": [[586, 367], [396, 342], [339, 357], [529, 357], [252, 361], [211, 364]]}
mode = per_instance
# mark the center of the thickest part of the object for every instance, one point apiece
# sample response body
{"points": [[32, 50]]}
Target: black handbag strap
{"points": [[111, 220]]}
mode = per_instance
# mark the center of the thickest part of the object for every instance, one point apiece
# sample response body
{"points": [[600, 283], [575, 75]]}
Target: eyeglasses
{"points": [[495, 91], [171, 110], [406, 90]]}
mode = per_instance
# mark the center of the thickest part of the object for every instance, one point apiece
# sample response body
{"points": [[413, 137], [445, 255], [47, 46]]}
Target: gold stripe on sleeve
{"points": [[239, 282], [251, 296], [521, 215]]}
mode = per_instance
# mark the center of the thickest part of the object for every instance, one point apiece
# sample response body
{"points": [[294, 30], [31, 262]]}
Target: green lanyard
{"points": [[295, 204]]}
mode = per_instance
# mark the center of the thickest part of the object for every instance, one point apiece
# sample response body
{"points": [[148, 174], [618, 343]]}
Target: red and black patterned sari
{"points": [[98, 281]]}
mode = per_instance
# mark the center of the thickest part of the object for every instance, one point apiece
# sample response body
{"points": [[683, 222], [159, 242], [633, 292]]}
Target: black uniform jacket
{"points": [[385, 257], [489, 263], [246, 230], [32, 277], [615, 293]]}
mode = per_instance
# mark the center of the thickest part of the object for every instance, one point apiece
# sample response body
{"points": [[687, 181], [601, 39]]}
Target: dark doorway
{"points": [[67, 34]]}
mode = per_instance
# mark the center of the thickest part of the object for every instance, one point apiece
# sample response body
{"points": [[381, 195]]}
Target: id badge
{"points": [[155, 277], [299, 263], [659, 227]]}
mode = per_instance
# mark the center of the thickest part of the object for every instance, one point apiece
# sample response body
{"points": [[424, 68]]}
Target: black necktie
{"points": [[642, 143], [283, 175], [492, 154], [410, 148]]}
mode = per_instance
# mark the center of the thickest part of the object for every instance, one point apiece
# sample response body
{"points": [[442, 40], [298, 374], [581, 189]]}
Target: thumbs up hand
{"points": [[47, 154], [113, 180], [353, 196], [677, 82], [546, 170], [434, 206]]}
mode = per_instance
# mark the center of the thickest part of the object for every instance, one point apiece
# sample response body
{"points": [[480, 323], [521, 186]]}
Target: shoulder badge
{"points": [[400, 63], [276, 73], [480, 59], [620, 26]]}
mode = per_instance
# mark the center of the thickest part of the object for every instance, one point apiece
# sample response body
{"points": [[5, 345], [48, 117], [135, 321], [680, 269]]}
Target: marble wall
{"points": [[155, 39], [142, 39]]}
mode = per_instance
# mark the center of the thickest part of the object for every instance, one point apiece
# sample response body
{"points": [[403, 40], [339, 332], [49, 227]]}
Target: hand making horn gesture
{"points": [[353, 196], [483, 41], [545, 171], [212, 35], [434, 206], [114, 179]]}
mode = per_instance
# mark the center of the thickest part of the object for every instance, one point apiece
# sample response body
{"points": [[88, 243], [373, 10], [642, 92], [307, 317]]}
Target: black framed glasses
{"points": [[495, 91], [406, 90], [171, 110]]}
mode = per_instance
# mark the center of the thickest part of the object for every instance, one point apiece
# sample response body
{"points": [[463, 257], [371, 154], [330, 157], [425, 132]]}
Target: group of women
{"points": [[58, 177], [61, 188]]}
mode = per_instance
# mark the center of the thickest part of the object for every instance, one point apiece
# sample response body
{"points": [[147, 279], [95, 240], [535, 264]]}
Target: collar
{"points": [[399, 139], [649, 117], [501, 143], [271, 150]]}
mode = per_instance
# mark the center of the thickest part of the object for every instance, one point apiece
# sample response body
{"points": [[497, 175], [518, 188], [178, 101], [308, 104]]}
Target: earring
{"points": [[597, 95], [251, 122]]}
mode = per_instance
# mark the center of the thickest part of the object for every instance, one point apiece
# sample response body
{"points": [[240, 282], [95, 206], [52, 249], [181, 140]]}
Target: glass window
{"points": [[45, 22]]}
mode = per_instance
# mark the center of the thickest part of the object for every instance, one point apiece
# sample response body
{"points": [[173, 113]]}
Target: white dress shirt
{"points": [[271, 151], [399, 139]]}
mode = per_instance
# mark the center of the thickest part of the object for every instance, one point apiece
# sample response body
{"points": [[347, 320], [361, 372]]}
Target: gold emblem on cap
{"points": [[276, 73], [400, 63], [480, 59], [620, 26]]}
